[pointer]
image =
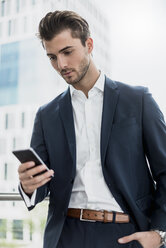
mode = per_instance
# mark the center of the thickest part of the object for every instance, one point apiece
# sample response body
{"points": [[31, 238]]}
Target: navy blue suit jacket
{"points": [[133, 132]]}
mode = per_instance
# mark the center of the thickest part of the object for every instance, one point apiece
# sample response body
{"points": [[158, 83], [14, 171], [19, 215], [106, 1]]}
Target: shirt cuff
{"points": [[28, 201]]}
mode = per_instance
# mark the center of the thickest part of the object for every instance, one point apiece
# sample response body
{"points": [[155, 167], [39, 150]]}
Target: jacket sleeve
{"points": [[38, 144], [154, 136], [29, 202]]}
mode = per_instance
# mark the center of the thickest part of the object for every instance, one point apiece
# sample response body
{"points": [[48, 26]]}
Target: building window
{"points": [[3, 228], [31, 229], [15, 27], [33, 2], [2, 7], [22, 119], [9, 27], [5, 171], [9, 121], [14, 143], [18, 229], [6, 121], [17, 6]]}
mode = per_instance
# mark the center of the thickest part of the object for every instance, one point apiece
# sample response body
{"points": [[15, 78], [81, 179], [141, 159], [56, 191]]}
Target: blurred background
{"points": [[129, 46]]}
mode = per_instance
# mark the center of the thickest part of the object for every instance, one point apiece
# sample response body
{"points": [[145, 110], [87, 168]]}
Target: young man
{"points": [[96, 137]]}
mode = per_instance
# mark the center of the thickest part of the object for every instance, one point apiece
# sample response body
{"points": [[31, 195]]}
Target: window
{"points": [[14, 143], [9, 121], [22, 119], [6, 121], [31, 230], [17, 6], [15, 27], [5, 171], [3, 228], [33, 2], [9, 27], [18, 229], [2, 7]]}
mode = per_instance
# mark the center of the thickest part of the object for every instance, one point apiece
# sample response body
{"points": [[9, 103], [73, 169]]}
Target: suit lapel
{"points": [[66, 114], [111, 94]]}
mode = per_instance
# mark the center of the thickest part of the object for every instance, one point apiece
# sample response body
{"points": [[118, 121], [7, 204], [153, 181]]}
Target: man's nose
{"points": [[61, 63]]}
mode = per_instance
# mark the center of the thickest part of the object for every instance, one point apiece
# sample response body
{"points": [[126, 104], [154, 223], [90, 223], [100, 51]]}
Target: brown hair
{"points": [[55, 22]]}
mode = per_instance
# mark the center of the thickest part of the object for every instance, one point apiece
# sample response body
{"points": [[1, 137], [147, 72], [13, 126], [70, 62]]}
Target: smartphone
{"points": [[27, 155]]}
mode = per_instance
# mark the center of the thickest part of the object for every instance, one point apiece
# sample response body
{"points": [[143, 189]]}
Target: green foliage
{"points": [[5, 244]]}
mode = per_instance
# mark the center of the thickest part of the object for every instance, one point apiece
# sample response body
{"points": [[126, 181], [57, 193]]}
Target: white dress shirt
{"points": [[90, 190]]}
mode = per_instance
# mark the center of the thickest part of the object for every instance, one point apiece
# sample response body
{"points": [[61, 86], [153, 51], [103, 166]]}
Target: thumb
{"points": [[127, 239]]}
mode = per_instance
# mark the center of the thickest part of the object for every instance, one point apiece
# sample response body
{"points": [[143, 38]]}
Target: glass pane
{"points": [[2, 5], [21, 228], [18, 229], [3, 228], [9, 27]]}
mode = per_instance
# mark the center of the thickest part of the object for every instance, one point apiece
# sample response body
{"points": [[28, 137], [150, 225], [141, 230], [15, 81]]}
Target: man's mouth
{"points": [[66, 73]]}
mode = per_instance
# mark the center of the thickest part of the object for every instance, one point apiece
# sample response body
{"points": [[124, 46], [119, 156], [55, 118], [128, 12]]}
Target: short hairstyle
{"points": [[56, 22]]}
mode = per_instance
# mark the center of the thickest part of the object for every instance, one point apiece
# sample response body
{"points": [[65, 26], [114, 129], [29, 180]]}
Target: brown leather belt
{"points": [[94, 215]]}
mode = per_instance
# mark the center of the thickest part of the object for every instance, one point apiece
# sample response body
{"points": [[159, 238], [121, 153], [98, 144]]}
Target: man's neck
{"points": [[89, 80]]}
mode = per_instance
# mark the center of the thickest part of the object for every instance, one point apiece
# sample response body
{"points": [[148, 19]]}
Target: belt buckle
{"points": [[81, 218]]}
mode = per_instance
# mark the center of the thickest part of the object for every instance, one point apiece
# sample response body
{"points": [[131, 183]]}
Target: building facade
{"points": [[26, 81]]}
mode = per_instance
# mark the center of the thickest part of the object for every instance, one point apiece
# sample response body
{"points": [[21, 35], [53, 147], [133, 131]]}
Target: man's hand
{"points": [[150, 239], [30, 183]]}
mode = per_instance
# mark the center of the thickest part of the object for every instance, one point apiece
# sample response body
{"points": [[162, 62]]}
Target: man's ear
{"points": [[89, 44]]}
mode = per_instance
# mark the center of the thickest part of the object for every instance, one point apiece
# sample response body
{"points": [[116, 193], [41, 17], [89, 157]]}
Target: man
{"points": [[96, 137]]}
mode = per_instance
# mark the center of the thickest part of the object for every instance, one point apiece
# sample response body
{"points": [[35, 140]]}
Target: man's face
{"points": [[68, 56]]}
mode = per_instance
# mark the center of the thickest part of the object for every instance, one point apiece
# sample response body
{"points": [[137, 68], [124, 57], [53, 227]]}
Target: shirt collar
{"points": [[98, 85]]}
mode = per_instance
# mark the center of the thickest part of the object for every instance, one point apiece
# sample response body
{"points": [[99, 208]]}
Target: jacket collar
{"points": [[110, 100]]}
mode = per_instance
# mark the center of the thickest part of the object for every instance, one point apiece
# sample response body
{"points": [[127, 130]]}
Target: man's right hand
{"points": [[29, 181]]}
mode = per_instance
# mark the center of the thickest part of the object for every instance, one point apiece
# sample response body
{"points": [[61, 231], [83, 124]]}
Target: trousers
{"points": [[83, 234]]}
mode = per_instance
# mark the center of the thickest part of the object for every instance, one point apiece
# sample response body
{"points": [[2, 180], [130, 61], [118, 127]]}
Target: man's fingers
{"points": [[128, 238], [29, 181], [146, 239], [31, 188], [32, 183], [29, 173], [36, 180], [25, 166]]}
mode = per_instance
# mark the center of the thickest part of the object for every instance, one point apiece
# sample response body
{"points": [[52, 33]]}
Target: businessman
{"points": [[105, 144]]}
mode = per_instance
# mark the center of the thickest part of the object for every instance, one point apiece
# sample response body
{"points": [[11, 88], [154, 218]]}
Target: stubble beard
{"points": [[82, 71]]}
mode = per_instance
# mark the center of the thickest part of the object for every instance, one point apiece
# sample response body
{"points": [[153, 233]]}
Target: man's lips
{"points": [[67, 73]]}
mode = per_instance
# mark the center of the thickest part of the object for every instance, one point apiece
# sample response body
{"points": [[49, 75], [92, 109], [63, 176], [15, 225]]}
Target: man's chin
{"points": [[71, 82]]}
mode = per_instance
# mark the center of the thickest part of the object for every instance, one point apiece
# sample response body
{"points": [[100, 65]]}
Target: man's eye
{"points": [[67, 52], [52, 58]]}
